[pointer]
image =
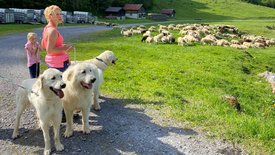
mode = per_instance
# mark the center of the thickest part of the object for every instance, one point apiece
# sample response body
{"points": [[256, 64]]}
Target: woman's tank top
{"points": [[55, 60]]}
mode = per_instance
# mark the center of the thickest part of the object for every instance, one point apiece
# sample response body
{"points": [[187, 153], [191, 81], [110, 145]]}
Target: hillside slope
{"points": [[215, 9]]}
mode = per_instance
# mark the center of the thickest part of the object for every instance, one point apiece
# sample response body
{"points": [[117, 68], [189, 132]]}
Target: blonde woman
{"points": [[52, 40]]}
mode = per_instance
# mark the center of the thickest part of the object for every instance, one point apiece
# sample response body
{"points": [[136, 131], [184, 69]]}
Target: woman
{"points": [[52, 40]]}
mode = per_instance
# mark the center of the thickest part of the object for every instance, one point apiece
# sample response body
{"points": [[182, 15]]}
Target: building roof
{"points": [[132, 7], [113, 9], [167, 11]]}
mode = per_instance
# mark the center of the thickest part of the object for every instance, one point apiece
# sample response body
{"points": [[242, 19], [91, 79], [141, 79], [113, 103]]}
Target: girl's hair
{"points": [[31, 35], [50, 10]]}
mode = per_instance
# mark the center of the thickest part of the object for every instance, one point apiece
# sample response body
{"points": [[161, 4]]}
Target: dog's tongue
{"points": [[86, 85], [60, 93]]}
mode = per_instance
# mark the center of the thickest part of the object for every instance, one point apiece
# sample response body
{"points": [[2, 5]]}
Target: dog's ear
{"points": [[40, 82], [70, 75]]}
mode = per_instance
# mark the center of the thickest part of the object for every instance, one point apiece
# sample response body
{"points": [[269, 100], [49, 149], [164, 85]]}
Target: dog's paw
{"points": [[15, 135], [86, 131], [47, 151], [59, 147], [97, 108], [68, 133]]}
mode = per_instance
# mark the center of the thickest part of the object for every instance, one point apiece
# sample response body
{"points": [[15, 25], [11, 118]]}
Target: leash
{"points": [[73, 51], [74, 54], [37, 57], [8, 80]]}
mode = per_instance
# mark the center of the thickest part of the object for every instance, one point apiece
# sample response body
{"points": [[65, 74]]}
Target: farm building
{"points": [[134, 11], [115, 13], [6, 16], [168, 12], [156, 16]]}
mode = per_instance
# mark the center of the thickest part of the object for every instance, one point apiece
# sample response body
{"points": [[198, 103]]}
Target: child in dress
{"points": [[33, 55]]}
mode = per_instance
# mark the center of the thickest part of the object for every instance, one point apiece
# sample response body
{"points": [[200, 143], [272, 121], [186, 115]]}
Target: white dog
{"points": [[81, 79], [105, 59], [44, 94]]}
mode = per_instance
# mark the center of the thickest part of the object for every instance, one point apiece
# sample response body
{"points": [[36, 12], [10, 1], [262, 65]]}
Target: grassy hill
{"points": [[188, 84], [215, 9]]}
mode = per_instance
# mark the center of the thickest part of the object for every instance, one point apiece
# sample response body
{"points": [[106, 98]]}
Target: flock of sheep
{"points": [[220, 35]]}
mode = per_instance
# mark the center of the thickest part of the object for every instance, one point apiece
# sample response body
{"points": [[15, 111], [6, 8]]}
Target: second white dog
{"points": [[81, 80], [102, 61]]}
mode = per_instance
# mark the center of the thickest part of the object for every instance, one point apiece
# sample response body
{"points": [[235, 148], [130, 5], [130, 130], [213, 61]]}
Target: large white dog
{"points": [[81, 80], [44, 94], [102, 61]]}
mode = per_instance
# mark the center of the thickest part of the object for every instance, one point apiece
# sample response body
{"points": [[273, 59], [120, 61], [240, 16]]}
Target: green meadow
{"points": [[188, 83]]}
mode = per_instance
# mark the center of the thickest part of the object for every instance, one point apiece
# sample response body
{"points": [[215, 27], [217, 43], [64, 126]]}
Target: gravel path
{"points": [[119, 128]]}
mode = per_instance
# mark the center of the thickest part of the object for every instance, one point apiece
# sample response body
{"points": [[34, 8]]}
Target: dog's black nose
{"points": [[93, 80], [63, 85]]}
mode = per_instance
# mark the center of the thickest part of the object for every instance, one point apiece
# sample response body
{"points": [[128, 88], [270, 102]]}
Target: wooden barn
{"points": [[168, 12], [115, 13], [134, 11]]}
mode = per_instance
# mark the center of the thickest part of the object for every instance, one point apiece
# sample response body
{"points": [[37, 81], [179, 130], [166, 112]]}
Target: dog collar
{"points": [[101, 61]]}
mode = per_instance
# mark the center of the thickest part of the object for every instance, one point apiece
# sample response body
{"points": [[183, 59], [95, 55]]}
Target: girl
{"points": [[33, 55]]}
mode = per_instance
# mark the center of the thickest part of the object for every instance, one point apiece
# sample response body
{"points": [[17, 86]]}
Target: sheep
{"points": [[188, 39], [209, 39], [222, 42], [147, 33], [170, 38], [234, 41], [180, 41], [164, 39], [126, 33], [149, 39], [158, 37], [270, 42]]}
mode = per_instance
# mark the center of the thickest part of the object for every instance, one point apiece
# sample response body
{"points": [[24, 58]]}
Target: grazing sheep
{"points": [[157, 38], [238, 46], [270, 42], [209, 39], [147, 33], [188, 39], [170, 38], [149, 39], [164, 39], [126, 33], [222, 42], [144, 38], [180, 41], [234, 41], [183, 32]]}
